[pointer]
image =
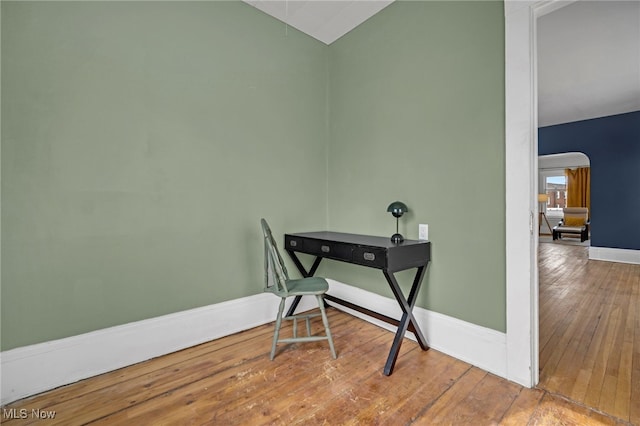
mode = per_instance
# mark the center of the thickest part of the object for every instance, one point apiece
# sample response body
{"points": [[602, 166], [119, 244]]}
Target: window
{"points": [[556, 189]]}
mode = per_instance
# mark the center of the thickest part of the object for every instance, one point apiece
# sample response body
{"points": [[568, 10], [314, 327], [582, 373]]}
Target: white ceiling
{"points": [[588, 61], [588, 51], [324, 20]]}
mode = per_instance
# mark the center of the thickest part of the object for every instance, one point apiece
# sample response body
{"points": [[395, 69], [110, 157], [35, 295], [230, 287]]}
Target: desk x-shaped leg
{"points": [[408, 321], [406, 304]]}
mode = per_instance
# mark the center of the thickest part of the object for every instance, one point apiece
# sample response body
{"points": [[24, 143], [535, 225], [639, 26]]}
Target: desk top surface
{"points": [[364, 240]]}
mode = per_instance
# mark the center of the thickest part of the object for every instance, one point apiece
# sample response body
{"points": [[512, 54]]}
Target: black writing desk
{"points": [[373, 252]]}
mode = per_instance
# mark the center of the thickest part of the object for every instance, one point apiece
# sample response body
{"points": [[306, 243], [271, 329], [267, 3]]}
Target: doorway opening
{"points": [[553, 188]]}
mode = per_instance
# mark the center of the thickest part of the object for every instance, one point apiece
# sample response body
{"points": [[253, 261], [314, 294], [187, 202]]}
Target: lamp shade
{"points": [[543, 198], [397, 208]]}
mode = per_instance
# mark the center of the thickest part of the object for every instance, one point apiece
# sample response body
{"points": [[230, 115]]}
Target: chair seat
{"points": [[562, 228], [311, 285]]}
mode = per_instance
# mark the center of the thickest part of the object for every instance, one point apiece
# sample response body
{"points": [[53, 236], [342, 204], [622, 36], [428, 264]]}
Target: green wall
{"points": [[417, 115], [141, 144]]}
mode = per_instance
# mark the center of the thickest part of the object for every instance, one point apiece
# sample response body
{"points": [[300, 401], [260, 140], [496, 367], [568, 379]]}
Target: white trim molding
{"points": [[521, 193], [521, 186], [614, 255], [37, 368]]}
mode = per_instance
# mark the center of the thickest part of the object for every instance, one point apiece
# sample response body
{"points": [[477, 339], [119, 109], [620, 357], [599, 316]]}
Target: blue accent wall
{"points": [[613, 146]]}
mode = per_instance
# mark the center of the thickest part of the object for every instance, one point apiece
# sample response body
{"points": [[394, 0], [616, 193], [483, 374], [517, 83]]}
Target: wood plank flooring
{"points": [[230, 381], [590, 330]]}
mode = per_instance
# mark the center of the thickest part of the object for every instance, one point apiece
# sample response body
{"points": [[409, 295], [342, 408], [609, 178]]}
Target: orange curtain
{"points": [[579, 187]]}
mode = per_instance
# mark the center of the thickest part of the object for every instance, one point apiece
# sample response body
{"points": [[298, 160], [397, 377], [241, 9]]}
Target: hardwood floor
{"points": [[590, 330], [230, 381]]}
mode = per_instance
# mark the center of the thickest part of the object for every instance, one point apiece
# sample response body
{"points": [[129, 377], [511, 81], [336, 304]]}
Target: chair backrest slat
{"points": [[275, 271]]}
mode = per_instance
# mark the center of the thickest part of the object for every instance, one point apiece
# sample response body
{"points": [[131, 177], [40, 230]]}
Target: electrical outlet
{"points": [[423, 231]]}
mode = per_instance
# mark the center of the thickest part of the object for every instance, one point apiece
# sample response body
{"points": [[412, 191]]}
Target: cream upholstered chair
{"points": [[277, 281], [575, 221]]}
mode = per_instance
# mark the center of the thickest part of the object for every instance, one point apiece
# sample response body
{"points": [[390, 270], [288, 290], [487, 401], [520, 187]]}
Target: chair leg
{"points": [[276, 333], [325, 321]]}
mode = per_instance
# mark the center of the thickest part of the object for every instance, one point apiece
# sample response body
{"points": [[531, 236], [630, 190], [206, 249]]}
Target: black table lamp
{"points": [[397, 209]]}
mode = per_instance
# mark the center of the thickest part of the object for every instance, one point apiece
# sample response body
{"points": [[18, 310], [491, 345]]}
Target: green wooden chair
{"points": [[277, 282]]}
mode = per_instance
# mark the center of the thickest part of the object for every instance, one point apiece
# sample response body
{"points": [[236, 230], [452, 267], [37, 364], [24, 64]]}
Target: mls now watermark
{"points": [[23, 413]]}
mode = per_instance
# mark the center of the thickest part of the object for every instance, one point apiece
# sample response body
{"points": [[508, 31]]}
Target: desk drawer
{"points": [[328, 249], [370, 256], [294, 243]]}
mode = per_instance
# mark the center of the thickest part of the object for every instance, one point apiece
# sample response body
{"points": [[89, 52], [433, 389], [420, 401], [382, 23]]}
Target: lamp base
{"points": [[397, 238]]}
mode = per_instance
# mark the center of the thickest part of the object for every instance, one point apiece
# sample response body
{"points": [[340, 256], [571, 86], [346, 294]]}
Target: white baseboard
{"points": [[29, 370], [480, 346], [37, 368], [614, 255]]}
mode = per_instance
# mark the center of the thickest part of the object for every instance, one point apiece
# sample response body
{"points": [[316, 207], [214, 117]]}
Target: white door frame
{"points": [[521, 185]]}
